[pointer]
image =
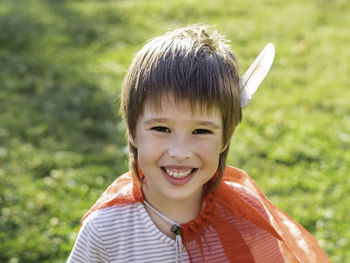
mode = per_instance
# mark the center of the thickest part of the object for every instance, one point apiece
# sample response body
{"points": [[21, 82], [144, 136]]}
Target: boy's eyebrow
{"points": [[150, 121], [213, 125]]}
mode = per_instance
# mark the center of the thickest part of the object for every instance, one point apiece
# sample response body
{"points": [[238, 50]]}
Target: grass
{"points": [[62, 141]]}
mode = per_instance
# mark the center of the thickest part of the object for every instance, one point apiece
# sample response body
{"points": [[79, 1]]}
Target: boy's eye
{"points": [[202, 131], [160, 129]]}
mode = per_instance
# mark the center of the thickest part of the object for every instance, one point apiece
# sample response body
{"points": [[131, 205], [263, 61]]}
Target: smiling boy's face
{"points": [[178, 149]]}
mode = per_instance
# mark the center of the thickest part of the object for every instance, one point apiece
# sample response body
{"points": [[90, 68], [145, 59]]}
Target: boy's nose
{"points": [[180, 149]]}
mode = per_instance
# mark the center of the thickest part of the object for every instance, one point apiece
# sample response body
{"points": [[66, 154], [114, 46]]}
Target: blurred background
{"points": [[62, 141]]}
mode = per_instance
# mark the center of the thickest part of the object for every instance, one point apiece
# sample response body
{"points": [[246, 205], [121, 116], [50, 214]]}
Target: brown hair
{"points": [[194, 64]]}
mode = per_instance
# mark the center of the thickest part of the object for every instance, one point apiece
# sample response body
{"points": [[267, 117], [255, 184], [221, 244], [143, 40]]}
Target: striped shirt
{"points": [[126, 234]]}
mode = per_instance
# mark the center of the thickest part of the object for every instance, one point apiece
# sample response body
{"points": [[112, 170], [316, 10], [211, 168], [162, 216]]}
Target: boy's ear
{"points": [[228, 141], [132, 140], [225, 146]]}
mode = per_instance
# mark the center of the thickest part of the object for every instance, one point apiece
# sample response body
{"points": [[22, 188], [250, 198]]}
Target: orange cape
{"points": [[236, 188]]}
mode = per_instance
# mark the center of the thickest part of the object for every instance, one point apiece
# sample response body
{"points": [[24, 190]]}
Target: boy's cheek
{"points": [[150, 150], [209, 147]]}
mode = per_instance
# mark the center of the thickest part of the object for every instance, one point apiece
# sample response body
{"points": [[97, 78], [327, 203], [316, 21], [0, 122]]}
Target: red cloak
{"points": [[237, 196]]}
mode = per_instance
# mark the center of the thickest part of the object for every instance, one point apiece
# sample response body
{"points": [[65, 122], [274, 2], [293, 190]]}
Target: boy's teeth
{"points": [[178, 174]]}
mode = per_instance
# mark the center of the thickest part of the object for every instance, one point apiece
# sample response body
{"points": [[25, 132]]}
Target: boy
{"points": [[181, 101]]}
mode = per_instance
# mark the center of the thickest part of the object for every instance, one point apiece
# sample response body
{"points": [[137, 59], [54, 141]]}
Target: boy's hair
{"points": [[195, 65]]}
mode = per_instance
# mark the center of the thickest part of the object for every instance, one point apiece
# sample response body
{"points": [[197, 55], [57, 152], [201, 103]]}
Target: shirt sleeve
{"points": [[264, 247], [89, 247]]}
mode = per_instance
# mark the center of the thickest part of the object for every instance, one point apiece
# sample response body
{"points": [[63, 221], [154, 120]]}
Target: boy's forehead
{"points": [[171, 105]]}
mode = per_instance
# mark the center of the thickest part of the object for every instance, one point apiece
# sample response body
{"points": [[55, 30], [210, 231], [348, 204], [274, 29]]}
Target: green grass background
{"points": [[62, 141]]}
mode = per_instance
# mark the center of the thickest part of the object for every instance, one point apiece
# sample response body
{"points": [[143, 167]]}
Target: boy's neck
{"points": [[180, 211]]}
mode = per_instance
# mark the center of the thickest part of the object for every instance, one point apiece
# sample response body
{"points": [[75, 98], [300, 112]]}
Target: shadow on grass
{"points": [[61, 141]]}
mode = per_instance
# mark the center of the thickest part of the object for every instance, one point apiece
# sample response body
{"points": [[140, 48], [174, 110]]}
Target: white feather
{"points": [[256, 73]]}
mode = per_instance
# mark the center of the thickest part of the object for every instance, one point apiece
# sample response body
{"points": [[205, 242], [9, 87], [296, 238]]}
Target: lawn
{"points": [[62, 140]]}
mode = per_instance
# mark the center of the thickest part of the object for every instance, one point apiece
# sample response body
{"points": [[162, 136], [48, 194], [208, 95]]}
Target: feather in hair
{"points": [[256, 73]]}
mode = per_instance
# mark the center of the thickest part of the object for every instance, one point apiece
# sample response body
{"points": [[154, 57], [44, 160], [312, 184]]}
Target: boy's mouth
{"points": [[178, 173], [178, 176]]}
